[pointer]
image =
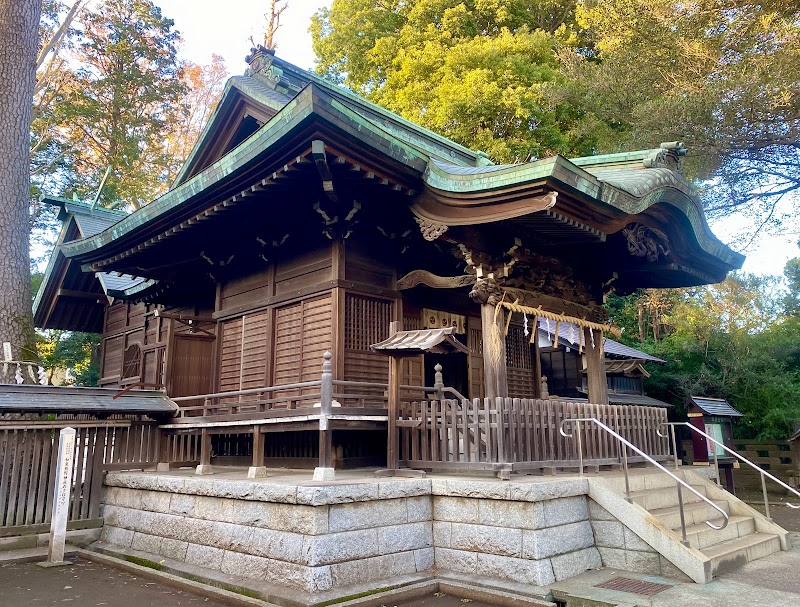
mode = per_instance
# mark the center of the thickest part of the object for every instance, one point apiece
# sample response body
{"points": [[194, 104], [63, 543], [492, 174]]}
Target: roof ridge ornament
{"points": [[667, 156], [261, 65]]}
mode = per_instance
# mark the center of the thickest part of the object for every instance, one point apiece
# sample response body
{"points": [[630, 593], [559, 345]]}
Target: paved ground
{"points": [[88, 584], [786, 517], [439, 599]]}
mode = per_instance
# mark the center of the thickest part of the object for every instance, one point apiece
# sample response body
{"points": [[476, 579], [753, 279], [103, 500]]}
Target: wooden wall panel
{"points": [[304, 271], [230, 355], [192, 361], [116, 318], [241, 291], [362, 267], [255, 345], [112, 356], [303, 333], [243, 352]]}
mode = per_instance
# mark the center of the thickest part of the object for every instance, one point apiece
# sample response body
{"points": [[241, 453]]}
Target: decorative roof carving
{"points": [[261, 64], [431, 230], [646, 242], [668, 156]]}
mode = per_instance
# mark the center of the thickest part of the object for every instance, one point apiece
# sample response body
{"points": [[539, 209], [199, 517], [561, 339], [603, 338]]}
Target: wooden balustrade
{"points": [[521, 433], [28, 455]]}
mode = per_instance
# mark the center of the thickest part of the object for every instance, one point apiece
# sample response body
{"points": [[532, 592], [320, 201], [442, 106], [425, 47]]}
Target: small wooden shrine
{"points": [[307, 220]]}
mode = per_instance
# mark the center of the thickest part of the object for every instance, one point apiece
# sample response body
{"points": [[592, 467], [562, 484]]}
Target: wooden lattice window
{"points": [[518, 349], [132, 362], [366, 322]]}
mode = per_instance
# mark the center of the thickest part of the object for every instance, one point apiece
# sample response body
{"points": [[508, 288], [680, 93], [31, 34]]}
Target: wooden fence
{"points": [[28, 456], [521, 434]]}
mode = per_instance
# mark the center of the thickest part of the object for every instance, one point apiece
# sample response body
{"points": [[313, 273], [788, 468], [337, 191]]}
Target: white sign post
{"points": [[61, 499]]}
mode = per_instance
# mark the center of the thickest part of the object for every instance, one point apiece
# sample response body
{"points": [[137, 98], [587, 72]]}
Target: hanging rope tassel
{"points": [[555, 335], [580, 341], [535, 332]]}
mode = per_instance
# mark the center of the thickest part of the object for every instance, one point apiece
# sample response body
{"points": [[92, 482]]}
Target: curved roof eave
{"points": [[643, 189], [246, 154]]}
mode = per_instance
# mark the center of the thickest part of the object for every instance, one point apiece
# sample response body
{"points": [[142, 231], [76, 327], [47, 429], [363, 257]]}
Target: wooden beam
{"points": [[97, 297]]}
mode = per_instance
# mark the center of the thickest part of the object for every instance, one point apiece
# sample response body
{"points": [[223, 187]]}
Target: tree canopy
{"points": [[524, 79], [736, 340], [476, 71]]}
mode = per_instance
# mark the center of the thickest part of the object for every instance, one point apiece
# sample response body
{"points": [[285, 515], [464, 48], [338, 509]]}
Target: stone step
{"points": [[653, 499], [702, 536], [645, 480], [695, 512], [732, 554]]}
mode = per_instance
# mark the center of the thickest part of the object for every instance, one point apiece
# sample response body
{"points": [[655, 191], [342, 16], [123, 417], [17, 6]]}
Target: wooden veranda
{"points": [[438, 429]]}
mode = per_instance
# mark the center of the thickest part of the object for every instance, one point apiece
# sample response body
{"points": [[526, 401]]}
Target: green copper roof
{"points": [[626, 183]]}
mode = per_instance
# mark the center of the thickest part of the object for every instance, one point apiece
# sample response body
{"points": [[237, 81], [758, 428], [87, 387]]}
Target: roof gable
{"points": [[247, 103], [69, 298]]}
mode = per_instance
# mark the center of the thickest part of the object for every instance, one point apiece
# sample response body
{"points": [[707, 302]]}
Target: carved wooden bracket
{"points": [[423, 277], [486, 291]]}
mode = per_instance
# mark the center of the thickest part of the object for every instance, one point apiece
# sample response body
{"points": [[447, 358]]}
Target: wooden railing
{"points": [[519, 434], [288, 397], [28, 455]]}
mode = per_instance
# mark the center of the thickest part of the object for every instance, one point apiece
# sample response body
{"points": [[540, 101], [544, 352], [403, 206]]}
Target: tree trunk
{"points": [[19, 22]]}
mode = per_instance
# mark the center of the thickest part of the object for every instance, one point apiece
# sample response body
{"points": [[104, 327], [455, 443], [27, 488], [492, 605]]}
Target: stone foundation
{"points": [[319, 537]]}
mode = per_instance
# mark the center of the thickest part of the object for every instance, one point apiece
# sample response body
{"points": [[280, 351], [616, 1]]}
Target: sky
{"points": [[207, 28]]}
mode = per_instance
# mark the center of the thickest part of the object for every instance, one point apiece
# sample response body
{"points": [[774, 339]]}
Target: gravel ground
{"points": [[88, 584]]}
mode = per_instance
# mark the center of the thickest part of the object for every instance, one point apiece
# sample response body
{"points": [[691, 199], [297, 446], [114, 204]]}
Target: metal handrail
{"points": [[740, 457], [624, 454]]}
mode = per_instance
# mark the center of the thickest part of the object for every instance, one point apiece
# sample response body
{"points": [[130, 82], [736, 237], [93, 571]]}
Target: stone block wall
{"points": [[306, 538], [621, 548], [317, 537], [535, 534]]}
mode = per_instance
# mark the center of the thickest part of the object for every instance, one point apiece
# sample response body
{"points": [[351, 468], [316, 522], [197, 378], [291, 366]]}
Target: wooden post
{"points": [[395, 378], [61, 498], [595, 367], [257, 470], [325, 471], [393, 405], [205, 453], [494, 351], [162, 465]]}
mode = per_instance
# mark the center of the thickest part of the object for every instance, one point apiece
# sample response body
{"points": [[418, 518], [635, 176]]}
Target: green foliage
{"points": [[77, 353], [730, 341], [478, 72], [791, 272], [720, 75], [115, 108]]}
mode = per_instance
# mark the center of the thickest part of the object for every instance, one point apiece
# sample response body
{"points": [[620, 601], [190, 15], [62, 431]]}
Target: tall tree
{"points": [[791, 272], [273, 18], [721, 75], [125, 96], [477, 71], [19, 23]]}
